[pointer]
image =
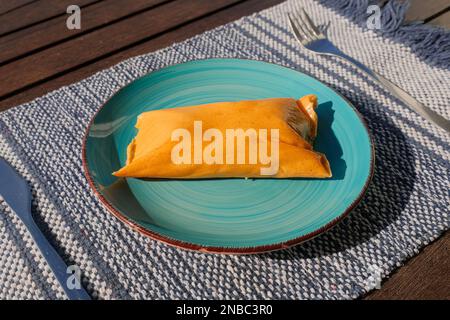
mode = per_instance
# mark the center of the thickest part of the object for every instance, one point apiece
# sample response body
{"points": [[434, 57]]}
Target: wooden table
{"points": [[39, 54]]}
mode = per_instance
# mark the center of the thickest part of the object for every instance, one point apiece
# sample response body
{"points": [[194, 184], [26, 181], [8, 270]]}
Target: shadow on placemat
{"points": [[387, 195]]}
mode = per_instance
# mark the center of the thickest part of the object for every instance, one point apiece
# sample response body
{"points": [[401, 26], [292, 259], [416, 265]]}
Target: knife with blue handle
{"points": [[15, 191]]}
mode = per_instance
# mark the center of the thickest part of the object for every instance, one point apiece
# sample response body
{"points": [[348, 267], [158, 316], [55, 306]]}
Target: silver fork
{"points": [[315, 41]]}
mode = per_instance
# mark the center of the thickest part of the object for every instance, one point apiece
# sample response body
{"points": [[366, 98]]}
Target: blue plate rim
{"points": [[216, 249]]}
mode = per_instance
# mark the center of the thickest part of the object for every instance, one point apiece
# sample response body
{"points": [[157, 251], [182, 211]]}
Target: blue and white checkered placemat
{"points": [[406, 206]]}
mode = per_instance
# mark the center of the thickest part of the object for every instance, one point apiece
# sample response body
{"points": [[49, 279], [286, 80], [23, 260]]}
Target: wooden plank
{"points": [[442, 20], [227, 15], [98, 44], [51, 32], [426, 276], [10, 5], [35, 12], [421, 10]]}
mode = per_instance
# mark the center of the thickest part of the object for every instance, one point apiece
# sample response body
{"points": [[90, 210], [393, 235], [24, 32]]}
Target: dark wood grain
{"points": [[423, 10], [10, 5], [443, 20], [54, 31], [57, 58], [101, 43], [35, 12], [175, 35]]}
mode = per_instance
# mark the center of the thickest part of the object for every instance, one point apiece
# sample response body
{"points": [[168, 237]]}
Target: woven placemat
{"points": [[406, 206]]}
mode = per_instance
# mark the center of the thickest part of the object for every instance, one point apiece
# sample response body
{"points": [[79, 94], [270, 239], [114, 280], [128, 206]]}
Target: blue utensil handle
{"points": [[56, 263]]}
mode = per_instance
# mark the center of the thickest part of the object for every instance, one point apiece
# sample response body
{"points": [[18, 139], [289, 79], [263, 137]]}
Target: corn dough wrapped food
{"points": [[268, 138]]}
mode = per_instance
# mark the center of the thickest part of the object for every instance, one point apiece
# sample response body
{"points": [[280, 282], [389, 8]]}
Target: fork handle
{"points": [[56, 263], [401, 94]]}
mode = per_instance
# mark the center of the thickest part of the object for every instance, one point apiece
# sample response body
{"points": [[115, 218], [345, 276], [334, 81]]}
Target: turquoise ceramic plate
{"points": [[229, 215]]}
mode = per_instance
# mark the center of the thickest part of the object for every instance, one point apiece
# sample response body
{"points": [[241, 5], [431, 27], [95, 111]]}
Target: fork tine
{"points": [[302, 25], [299, 30], [308, 22]]}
